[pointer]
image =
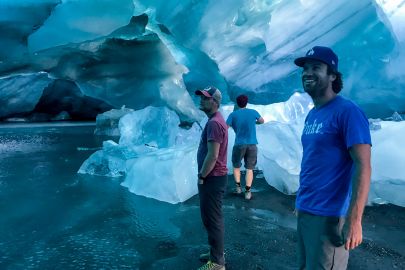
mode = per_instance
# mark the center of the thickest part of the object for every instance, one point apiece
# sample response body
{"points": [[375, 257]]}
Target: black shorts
{"points": [[247, 152]]}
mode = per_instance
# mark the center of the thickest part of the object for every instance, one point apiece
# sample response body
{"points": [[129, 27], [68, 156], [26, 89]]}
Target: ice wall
{"points": [[155, 52], [260, 39]]}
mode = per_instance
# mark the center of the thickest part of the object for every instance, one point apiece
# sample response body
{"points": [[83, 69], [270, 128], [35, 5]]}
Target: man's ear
{"points": [[332, 77]]}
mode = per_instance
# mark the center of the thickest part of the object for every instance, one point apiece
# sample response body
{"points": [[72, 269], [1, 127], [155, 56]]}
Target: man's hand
{"points": [[354, 235]]}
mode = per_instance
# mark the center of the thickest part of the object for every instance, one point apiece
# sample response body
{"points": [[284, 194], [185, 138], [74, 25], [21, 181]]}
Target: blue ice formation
{"points": [[154, 52], [157, 159], [141, 53]]}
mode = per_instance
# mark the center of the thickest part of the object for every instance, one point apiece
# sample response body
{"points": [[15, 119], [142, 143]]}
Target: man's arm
{"points": [[361, 154], [210, 158], [260, 121]]}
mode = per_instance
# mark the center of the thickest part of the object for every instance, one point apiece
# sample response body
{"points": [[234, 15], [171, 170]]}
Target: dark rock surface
{"points": [[260, 234]]}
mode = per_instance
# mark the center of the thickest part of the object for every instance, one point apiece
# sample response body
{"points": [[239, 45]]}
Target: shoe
{"points": [[212, 266], [248, 195], [205, 257], [238, 190]]}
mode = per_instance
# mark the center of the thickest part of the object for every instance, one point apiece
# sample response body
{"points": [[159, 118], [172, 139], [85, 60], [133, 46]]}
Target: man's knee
{"points": [[237, 165], [250, 163]]}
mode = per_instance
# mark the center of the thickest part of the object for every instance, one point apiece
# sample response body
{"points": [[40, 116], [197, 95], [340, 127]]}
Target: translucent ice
{"points": [[156, 156]]}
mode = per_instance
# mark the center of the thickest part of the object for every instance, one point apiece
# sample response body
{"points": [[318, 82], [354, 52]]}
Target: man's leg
{"points": [[211, 195], [250, 159], [236, 175], [237, 154], [319, 243], [249, 177], [301, 256]]}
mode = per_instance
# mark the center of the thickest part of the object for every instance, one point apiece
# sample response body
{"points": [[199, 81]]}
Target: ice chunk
{"points": [[156, 156], [103, 164], [149, 125], [388, 160], [20, 93], [107, 123], [168, 174], [280, 154], [374, 124], [395, 117]]}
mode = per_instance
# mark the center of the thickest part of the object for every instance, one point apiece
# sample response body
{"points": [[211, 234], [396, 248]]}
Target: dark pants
{"points": [[211, 193], [321, 242]]}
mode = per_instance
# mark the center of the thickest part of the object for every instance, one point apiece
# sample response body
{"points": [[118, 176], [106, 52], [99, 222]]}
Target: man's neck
{"points": [[319, 101], [211, 113]]}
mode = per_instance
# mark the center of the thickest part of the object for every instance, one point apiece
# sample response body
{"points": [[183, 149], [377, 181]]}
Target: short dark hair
{"points": [[337, 84], [242, 101]]}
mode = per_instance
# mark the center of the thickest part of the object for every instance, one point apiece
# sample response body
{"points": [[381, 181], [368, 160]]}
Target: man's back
{"points": [[243, 122]]}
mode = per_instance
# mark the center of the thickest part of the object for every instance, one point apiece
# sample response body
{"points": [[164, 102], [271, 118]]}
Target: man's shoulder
{"points": [[345, 103], [245, 111], [217, 119]]}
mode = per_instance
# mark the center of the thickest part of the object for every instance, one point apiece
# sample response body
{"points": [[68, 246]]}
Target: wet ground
{"points": [[53, 218]]}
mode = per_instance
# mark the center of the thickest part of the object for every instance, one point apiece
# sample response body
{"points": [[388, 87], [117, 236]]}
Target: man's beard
{"points": [[314, 86], [204, 109]]}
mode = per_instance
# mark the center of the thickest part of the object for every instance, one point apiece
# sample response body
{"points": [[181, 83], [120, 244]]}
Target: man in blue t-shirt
{"points": [[335, 168], [243, 121]]}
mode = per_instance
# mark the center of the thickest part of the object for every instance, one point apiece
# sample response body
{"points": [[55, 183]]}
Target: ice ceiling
{"points": [[156, 52]]}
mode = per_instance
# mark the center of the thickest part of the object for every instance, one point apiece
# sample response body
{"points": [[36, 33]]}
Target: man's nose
{"points": [[307, 71]]}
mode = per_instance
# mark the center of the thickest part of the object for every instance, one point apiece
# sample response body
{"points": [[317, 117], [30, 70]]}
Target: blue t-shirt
{"points": [[327, 168], [243, 122]]}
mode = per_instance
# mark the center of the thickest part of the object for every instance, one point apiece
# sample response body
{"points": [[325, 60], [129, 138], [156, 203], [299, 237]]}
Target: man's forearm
{"points": [[360, 154], [208, 165], [360, 189]]}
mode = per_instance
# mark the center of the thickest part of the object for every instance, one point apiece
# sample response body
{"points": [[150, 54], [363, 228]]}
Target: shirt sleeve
{"points": [[355, 127], [214, 132], [257, 115]]}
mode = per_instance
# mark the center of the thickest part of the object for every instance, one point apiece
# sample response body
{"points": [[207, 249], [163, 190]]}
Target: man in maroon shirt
{"points": [[212, 176]]}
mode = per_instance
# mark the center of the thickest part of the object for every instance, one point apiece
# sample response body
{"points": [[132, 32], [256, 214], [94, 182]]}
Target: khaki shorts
{"points": [[247, 152]]}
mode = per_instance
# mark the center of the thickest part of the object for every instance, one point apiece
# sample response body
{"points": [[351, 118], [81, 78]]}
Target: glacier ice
{"points": [[162, 164], [388, 160], [107, 123], [139, 53], [142, 53], [78, 21], [21, 93], [154, 155], [258, 44]]}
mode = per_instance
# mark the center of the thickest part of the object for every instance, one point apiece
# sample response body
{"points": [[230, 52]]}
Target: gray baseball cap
{"points": [[210, 91]]}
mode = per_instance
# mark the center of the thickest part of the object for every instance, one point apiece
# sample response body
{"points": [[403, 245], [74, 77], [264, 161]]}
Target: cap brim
{"points": [[202, 93], [301, 61]]}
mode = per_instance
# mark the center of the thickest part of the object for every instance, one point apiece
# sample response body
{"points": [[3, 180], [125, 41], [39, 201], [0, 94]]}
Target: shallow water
{"points": [[53, 217]]}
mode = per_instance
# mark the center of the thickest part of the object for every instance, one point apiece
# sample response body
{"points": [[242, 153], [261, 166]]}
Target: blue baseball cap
{"points": [[320, 53]]}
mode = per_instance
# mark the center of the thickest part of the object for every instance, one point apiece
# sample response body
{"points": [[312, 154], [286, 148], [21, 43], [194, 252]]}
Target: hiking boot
{"points": [[205, 257], [248, 195], [238, 190], [212, 266]]}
